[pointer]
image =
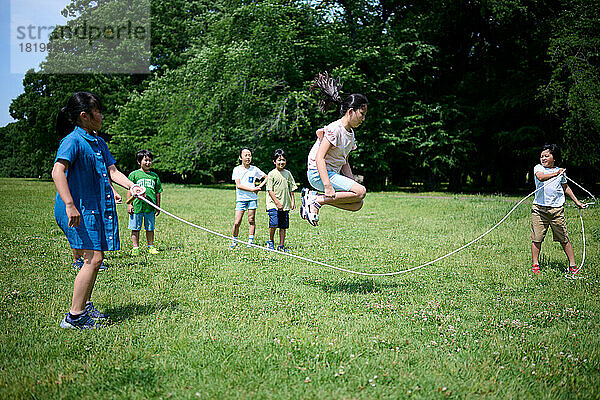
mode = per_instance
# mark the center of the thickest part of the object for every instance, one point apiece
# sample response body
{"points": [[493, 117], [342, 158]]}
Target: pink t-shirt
{"points": [[342, 143]]}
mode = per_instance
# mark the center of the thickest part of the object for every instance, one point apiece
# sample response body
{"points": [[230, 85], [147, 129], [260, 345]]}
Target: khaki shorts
{"points": [[542, 217]]}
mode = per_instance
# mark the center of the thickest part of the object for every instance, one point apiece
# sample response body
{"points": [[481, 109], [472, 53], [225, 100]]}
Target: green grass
{"points": [[201, 321]]}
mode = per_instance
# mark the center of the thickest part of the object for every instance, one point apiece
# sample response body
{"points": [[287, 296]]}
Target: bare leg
{"points": [[281, 236], [77, 254], [135, 238], [252, 228], [150, 238], [536, 248], [272, 234], [351, 201], [239, 214], [568, 248], [85, 280]]}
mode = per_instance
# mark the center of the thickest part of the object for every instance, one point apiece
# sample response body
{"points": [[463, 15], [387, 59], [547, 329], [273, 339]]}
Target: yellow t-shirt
{"points": [[282, 184]]}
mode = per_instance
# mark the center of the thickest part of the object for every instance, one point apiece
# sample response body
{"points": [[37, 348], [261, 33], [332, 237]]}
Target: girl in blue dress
{"points": [[84, 207]]}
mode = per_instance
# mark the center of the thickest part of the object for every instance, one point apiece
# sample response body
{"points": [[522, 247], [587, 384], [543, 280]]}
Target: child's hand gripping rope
{"points": [[136, 191]]}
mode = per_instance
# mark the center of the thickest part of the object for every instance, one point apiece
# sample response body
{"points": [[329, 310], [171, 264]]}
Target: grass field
{"points": [[202, 321]]}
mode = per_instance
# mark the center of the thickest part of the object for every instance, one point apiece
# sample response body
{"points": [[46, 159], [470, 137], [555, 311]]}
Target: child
{"points": [[548, 207], [246, 176], [84, 207], [328, 167], [140, 211], [280, 200]]}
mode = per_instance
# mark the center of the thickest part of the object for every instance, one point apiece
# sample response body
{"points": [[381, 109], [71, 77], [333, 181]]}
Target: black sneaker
{"points": [[93, 311], [84, 321]]}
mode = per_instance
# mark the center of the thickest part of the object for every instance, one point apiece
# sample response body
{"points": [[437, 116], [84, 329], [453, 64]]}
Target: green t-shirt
{"points": [[282, 184], [151, 182]]}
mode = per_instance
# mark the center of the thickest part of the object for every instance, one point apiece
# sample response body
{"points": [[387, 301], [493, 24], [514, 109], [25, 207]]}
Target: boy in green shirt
{"points": [[140, 211], [280, 200]]}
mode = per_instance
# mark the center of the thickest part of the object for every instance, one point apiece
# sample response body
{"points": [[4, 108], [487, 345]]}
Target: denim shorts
{"points": [[339, 182], [279, 219], [246, 205], [135, 221]]}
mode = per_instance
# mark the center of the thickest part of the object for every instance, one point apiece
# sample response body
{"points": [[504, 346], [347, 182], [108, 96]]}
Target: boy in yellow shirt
{"points": [[280, 200]]}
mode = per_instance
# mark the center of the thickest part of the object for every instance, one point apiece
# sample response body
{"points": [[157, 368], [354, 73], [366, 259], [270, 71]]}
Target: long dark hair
{"points": [[69, 115], [328, 91]]}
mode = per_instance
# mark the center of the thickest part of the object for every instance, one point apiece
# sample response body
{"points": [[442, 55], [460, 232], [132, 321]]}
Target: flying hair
{"points": [[328, 91]]}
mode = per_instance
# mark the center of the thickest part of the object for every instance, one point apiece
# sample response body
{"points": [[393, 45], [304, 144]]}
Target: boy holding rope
{"points": [[548, 207]]}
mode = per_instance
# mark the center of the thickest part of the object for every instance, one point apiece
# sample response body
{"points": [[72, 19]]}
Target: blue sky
{"points": [[39, 13]]}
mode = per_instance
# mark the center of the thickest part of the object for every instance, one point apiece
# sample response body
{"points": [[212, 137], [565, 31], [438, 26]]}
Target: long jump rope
{"points": [[395, 272]]}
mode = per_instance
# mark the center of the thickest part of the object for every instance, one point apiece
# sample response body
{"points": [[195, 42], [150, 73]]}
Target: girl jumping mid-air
{"points": [[328, 167]]}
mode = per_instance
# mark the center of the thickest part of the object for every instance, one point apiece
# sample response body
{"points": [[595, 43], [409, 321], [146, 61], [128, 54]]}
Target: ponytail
{"points": [[328, 91], [68, 116], [64, 124]]}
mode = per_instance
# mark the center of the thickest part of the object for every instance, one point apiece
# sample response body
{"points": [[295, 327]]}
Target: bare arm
{"points": [[157, 203], [570, 193], [59, 177], [347, 171], [542, 177], [120, 179], [275, 200], [239, 185], [322, 167]]}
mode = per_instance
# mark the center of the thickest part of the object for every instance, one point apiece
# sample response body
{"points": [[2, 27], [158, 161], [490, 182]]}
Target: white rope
{"points": [[581, 220], [358, 272]]}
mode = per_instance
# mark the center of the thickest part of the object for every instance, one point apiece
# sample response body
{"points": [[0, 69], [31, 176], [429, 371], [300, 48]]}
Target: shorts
{"points": [[339, 182], [279, 219], [135, 221], [542, 217], [246, 205]]}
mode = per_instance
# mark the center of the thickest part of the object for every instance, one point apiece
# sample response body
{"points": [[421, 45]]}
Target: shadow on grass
{"points": [[362, 286], [554, 265], [123, 313]]}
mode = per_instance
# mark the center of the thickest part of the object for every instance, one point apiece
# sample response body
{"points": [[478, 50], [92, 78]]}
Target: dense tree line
{"points": [[462, 92]]}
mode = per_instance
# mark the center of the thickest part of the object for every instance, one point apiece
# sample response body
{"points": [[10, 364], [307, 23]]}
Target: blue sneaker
{"points": [[270, 245], [93, 311], [83, 322], [283, 249], [77, 264]]}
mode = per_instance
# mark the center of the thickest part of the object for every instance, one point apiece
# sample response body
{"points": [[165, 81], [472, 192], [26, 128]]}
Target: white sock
{"points": [[250, 238]]}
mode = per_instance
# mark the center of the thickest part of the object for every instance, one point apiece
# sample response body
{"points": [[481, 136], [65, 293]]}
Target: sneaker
{"points": [[283, 249], [304, 204], [77, 264], [270, 245], [83, 322], [232, 245], [102, 266], [249, 244], [135, 251], [574, 269], [152, 250], [535, 269], [93, 311]]}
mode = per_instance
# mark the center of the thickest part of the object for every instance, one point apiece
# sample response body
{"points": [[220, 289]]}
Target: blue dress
{"points": [[89, 184]]}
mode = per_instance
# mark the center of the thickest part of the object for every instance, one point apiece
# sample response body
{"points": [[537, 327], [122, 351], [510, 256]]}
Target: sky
{"points": [[39, 14]]}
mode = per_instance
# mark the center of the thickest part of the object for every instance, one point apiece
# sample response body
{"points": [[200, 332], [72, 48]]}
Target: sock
{"points": [[234, 242], [76, 316], [136, 247], [250, 238], [150, 245]]}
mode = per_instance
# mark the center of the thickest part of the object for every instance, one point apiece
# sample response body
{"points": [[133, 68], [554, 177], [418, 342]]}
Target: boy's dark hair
{"points": [[328, 90], [143, 153], [278, 153], [69, 115], [554, 150]]}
